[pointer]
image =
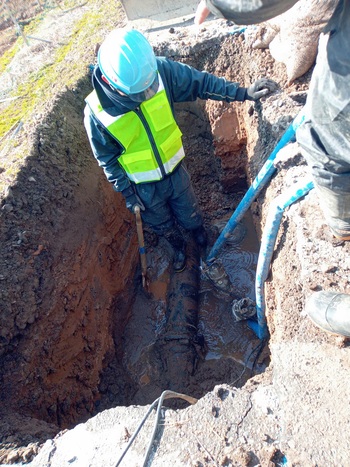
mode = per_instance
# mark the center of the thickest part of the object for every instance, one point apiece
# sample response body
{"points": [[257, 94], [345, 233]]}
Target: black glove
{"points": [[132, 200], [260, 88]]}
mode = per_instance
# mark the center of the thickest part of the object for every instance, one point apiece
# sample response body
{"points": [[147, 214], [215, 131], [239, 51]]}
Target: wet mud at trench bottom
{"points": [[182, 335]]}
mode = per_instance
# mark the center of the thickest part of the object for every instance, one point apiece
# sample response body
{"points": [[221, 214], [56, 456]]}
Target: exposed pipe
{"points": [[180, 345], [268, 241], [258, 184]]}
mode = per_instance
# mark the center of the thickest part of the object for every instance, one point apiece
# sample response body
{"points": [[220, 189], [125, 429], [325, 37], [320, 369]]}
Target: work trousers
{"points": [[169, 199], [325, 135]]}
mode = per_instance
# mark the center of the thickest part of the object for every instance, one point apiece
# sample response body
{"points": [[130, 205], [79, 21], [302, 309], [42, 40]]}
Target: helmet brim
{"points": [[147, 93]]}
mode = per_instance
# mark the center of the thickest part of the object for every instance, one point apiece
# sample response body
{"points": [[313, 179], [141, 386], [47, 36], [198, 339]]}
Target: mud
{"points": [[177, 335]]}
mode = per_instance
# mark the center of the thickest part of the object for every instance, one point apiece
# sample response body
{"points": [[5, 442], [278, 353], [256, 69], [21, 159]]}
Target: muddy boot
{"points": [[178, 243], [200, 236], [151, 238]]}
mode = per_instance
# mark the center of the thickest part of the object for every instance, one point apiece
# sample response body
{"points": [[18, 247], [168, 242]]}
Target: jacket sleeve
{"points": [[248, 12], [106, 150], [186, 83]]}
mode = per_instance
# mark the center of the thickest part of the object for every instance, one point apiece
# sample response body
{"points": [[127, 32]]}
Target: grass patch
{"points": [[66, 65], [9, 55], [73, 56]]}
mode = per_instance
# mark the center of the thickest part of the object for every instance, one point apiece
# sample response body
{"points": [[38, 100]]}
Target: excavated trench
{"points": [[181, 334], [85, 335]]}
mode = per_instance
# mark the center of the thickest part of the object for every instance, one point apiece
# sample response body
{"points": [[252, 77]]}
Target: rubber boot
{"points": [[200, 236], [336, 209], [178, 243], [330, 311]]}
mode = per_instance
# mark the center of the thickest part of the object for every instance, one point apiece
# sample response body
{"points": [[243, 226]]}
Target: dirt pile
{"points": [[292, 37]]}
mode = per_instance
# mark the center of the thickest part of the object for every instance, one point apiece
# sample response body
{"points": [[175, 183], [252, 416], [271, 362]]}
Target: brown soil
{"points": [[76, 327]]}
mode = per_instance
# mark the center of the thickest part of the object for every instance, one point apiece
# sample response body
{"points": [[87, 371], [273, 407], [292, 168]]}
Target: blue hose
{"points": [[268, 241], [260, 181]]}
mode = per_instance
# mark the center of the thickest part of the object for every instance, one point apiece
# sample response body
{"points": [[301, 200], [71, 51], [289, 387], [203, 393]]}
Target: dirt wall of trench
{"points": [[69, 255]]}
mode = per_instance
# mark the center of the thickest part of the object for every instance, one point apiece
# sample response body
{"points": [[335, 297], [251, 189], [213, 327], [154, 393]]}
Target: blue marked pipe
{"points": [[238, 30], [268, 241], [258, 184]]}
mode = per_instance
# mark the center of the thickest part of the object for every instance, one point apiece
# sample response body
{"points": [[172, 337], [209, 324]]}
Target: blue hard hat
{"points": [[127, 61]]}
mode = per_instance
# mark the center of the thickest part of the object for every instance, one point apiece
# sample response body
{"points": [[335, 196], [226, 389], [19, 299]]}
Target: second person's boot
{"points": [[178, 243], [330, 311]]}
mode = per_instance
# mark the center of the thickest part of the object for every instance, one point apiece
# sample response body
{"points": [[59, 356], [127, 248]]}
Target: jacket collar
{"points": [[113, 103]]}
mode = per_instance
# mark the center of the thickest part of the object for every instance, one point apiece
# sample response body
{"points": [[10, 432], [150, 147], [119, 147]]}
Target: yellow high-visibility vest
{"points": [[149, 135]]}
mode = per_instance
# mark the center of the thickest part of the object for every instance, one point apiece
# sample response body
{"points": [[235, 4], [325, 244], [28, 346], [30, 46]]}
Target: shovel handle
{"points": [[139, 228], [142, 249]]}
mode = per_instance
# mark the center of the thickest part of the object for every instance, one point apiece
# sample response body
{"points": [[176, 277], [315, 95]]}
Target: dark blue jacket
{"points": [[182, 84]]}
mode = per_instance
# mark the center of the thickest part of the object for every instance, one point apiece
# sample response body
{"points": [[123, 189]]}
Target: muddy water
{"points": [[227, 339], [223, 351]]}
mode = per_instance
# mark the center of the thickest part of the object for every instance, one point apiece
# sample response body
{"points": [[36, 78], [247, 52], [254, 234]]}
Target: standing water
{"points": [[221, 349]]}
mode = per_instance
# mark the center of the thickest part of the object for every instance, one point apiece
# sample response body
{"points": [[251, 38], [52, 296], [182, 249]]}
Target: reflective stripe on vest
{"points": [[138, 159]]}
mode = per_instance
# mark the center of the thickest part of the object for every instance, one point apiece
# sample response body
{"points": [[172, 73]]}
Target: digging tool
{"points": [[142, 249]]}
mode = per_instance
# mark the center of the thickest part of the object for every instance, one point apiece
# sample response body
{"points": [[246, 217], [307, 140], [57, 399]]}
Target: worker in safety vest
{"points": [[324, 137], [130, 122]]}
